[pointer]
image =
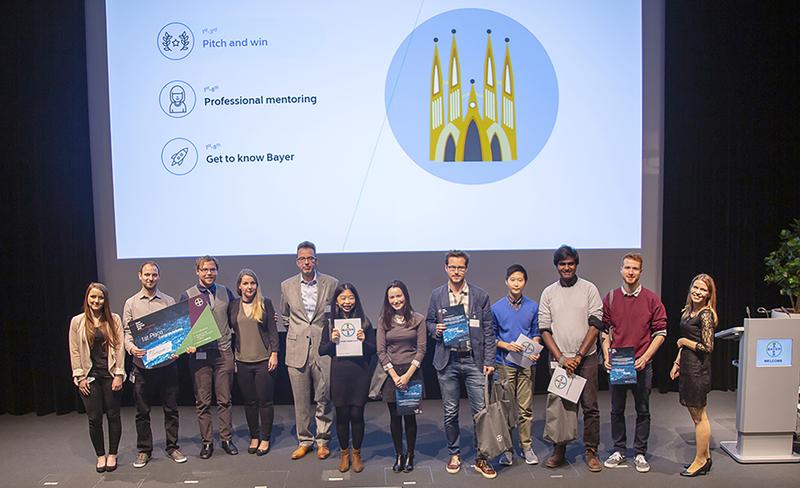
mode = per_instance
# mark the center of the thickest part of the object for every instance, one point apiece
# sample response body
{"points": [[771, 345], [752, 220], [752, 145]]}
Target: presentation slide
{"points": [[245, 127]]}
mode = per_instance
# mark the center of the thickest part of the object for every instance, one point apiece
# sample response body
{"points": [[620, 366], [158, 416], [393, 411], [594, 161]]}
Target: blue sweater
{"points": [[509, 323]]}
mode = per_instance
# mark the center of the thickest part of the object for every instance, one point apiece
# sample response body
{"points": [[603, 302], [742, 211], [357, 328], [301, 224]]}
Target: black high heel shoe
{"points": [[399, 463], [409, 462], [703, 470]]}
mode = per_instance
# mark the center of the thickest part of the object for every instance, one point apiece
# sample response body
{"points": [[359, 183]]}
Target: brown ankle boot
{"points": [[358, 466], [344, 460], [557, 458]]}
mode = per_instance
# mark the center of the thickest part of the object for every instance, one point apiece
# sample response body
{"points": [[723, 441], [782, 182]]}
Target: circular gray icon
{"points": [[177, 99], [561, 381], [175, 41], [179, 156]]}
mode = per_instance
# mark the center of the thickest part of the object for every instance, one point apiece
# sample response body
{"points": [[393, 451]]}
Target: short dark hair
{"points": [[151, 263], [307, 245], [516, 268], [204, 259], [455, 253], [565, 252]]}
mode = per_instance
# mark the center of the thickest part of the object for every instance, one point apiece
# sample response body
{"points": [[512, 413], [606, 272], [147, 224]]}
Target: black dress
{"points": [[694, 381], [350, 376]]}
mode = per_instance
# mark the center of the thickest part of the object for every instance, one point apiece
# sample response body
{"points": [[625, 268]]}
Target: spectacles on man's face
{"points": [[307, 259], [455, 269], [208, 270]]}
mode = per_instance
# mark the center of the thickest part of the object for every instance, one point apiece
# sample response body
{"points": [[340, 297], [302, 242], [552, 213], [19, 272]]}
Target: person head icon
{"points": [[177, 95]]}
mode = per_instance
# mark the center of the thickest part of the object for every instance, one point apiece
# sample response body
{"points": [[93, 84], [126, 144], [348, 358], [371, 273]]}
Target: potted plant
{"points": [[783, 268]]}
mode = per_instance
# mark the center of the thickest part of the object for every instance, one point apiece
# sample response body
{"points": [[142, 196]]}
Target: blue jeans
{"points": [[472, 374], [641, 397]]}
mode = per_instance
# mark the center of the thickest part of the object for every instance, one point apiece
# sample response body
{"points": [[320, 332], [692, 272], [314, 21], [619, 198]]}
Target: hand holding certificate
{"points": [[567, 386], [349, 344], [456, 325], [172, 330], [623, 369], [529, 348]]}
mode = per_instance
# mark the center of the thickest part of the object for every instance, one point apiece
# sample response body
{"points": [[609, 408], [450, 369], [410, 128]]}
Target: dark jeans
{"points": [[213, 373], [588, 401], [148, 385], [102, 399], [641, 397], [257, 386], [460, 368]]}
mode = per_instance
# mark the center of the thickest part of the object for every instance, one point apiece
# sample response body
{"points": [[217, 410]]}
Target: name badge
{"points": [[328, 308], [201, 355], [474, 323]]}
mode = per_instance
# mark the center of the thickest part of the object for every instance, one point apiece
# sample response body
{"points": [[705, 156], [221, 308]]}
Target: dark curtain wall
{"points": [[48, 253], [731, 179], [731, 159]]}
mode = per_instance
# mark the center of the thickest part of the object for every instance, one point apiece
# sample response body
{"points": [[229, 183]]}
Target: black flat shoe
{"points": [[261, 452], [399, 463], [207, 450], [229, 447], [409, 463], [100, 469], [703, 470], [252, 450]]}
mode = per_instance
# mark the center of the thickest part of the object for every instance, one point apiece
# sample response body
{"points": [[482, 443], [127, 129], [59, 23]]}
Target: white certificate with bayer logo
{"points": [[565, 385], [348, 345]]}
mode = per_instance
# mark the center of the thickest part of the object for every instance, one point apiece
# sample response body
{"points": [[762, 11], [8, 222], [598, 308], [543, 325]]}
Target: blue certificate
{"points": [[623, 370]]}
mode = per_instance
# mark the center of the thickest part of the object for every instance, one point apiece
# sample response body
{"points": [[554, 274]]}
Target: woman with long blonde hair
{"points": [[693, 365], [97, 357], [252, 317]]}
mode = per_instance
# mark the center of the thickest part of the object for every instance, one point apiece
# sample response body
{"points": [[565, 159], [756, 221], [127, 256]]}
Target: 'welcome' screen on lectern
{"points": [[374, 125]]}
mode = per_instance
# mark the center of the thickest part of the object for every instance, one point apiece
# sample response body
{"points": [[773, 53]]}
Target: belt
{"points": [[461, 354]]}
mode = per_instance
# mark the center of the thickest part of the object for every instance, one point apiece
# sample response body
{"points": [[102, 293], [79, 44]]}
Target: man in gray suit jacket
{"points": [[472, 359], [305, 306]]}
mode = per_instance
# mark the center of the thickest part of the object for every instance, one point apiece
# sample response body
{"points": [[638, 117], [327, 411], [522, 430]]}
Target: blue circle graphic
{"points": [[408, 90]]}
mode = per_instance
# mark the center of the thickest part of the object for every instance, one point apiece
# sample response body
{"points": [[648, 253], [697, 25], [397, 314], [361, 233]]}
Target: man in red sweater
{"points": [[637, 319]]}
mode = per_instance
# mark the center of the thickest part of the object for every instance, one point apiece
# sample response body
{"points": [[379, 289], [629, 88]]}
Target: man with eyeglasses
{"points": [[570, 319], [471, 360], [212, 365], [305, 307]]}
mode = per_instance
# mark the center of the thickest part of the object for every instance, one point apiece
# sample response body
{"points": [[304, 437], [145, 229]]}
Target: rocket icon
{"points": [[178, 157]]}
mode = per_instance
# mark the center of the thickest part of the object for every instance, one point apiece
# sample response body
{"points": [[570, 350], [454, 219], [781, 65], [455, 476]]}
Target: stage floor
{"points": [[56, 451]]}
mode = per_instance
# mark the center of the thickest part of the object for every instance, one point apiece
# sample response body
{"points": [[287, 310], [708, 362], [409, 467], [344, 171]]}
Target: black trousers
{"points": [[257, 386], [350, 418], [148, 385], [102, 400]]}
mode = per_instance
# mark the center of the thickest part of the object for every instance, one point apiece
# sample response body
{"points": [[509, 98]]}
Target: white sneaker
{"points": [[616, 460], [530, 456], [641, 463], [506, 459]]}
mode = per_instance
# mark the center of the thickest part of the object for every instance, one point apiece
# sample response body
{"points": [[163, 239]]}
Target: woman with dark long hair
{"points": [[350, 376], [692, 366], [401, 347], [252, 317], [97, 357]]}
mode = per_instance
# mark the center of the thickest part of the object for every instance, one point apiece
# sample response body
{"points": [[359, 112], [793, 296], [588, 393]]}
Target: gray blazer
{"points": [[301, 332], [483, 340]]}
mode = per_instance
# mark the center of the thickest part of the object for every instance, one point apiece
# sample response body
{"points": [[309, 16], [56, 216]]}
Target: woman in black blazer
{"points": [[252, 318]]}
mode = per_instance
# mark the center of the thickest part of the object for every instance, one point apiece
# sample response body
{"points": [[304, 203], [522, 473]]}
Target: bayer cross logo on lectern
{"points": [[348, 329], [198, 301], [774, 349], [561, 381]]}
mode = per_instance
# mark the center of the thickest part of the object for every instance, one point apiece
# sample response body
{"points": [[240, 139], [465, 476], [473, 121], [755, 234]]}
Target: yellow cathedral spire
{"points": [[472, 136]]}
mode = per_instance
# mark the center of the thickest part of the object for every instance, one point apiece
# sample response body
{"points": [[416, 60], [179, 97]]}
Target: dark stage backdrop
{"points": [[731, 180]]}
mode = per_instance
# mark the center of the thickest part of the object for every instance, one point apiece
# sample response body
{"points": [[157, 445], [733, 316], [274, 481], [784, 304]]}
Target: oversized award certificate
{"points": [[170, 331], [529, 348], [348, 345], [456, 323], [623, 370]]}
